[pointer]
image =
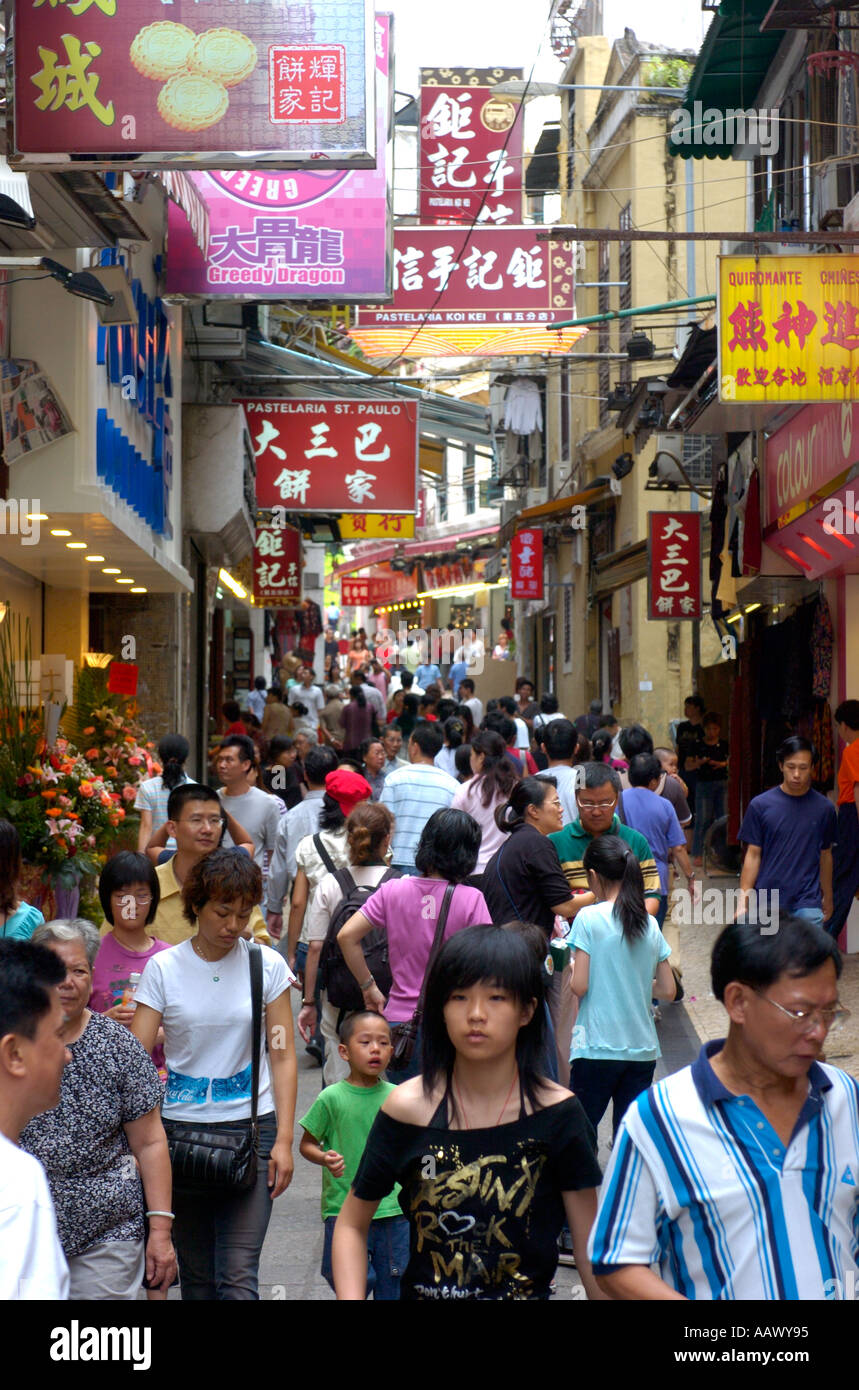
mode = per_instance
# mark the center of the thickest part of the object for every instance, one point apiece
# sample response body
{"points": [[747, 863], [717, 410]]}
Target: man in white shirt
{"points": [[257, 811], [559, 744], [32, 1057], [309, 695], [256, 699], [301, 820], [468, 697]]}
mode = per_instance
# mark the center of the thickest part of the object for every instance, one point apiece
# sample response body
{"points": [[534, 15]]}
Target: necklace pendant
{"points": [[216, 978]]}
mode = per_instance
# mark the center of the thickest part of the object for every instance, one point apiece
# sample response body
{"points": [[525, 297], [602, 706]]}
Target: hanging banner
{"points": [[526, 565], [377, 586], [470, 147], [493, 275], [788, 328], [374, 526], [334, 455], [673, 565], [277, 565], [249, 233], [208, 86]]}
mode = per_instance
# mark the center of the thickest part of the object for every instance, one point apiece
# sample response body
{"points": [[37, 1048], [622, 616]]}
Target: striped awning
{"points": [[455, 340]]}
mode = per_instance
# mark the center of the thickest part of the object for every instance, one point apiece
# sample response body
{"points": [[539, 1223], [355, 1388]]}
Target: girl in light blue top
{"points": [[18, 920], [621, 962]]}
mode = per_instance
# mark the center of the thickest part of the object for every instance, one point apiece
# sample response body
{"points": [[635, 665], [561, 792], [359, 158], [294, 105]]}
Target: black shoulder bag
{"points": [[405, 1035], [324, 855], [217, 1161]]}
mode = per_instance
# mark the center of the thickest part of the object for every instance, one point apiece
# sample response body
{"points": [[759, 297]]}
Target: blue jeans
{"points": [[412, 1067], [387, 1256], [300, 966], [407, 870], [662, 910], [219, 1239], [809, 914], [709, 806]]}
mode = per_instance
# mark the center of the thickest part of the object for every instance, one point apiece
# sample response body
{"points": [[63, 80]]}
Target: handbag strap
{"points": [[324, 855], [435, 948], [255, 967], [519, 917]]}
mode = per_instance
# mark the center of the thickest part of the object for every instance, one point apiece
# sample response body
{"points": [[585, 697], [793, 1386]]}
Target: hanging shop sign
{"points": [[805, 456], [334, 455], [673, 565], [526, 565], [788, 328], [448, 576], [373, 526], [257, 233], [277, 565], [470, 147], [488, 275], [377, 586], [208, 86]]}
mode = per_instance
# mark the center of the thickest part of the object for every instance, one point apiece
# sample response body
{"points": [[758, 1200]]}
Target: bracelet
{"points": [[369, 983], [309, 1003], [171, 1214]]}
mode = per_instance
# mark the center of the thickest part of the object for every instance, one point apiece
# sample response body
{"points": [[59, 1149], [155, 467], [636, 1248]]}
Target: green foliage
{"points": [[666, 72]]}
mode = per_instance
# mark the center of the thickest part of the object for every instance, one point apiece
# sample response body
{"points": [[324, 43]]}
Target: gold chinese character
{"points": [[70, 84]]}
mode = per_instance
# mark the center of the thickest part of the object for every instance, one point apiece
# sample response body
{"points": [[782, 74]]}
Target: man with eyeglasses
{"points": [[596, 800], [736, 1178]]}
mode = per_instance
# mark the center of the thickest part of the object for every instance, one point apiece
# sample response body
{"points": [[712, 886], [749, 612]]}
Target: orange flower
{"points": [[86, 789], [54, 811], [70, 815], [91, 753], [111, 771], [49, 794], [90, 730]]}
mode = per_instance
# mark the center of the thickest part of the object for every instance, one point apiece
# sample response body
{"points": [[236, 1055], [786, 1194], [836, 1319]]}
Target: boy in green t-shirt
{"points": [[335, 1132]]}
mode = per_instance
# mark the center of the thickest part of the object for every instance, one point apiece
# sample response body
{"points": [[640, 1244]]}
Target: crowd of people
{"points": [[470, 897]]}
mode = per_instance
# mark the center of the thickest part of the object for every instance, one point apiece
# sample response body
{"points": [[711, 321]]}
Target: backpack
{"points": [[336, 977]]}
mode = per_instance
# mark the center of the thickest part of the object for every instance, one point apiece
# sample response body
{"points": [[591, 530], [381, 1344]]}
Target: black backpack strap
{"points": [[345, 882], [324, 855], [256, 973]]}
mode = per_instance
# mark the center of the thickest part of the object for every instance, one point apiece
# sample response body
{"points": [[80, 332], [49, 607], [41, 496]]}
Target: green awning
{"points": [[734, 59]]}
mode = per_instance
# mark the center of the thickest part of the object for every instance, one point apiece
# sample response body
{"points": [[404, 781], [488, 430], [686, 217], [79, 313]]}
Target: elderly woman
{"points": [[103, 1147]]}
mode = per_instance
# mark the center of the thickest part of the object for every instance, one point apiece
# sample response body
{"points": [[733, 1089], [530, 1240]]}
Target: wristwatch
{"points": [[309, 1003]]}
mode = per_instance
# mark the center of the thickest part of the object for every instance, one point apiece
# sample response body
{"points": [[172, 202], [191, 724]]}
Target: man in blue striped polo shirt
{"points": [[413, 793], [736, 1178]]}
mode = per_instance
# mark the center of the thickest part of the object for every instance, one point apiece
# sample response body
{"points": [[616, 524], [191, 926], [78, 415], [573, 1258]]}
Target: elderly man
{"points": [[735, 1178], [597, 800]]}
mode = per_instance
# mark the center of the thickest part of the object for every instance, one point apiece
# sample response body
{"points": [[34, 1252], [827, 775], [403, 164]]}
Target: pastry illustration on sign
{"points": [[198, 69]]}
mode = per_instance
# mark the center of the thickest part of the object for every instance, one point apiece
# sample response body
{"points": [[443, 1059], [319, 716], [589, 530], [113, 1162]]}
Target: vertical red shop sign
{"points": [[673, 565], [470, 147], [526, 565], [277, 566]]}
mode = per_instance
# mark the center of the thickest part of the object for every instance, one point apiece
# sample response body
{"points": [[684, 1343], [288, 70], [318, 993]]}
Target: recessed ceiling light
{"points": [[138, 589], [75, 545], [61, 533], [123, 581], [93, 558], [37, 516], [111, 570]]}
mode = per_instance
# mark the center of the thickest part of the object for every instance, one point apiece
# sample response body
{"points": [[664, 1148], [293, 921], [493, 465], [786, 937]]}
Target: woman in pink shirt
{"points": [[129, 891], [493, 781], [408, 908]]}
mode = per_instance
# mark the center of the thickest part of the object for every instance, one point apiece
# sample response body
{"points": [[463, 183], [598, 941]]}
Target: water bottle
{"points": [[130, 990]]}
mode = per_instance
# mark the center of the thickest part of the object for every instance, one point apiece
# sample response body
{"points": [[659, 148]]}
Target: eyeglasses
{"points": [[807, 1019], [596, 805], [142, 899]]}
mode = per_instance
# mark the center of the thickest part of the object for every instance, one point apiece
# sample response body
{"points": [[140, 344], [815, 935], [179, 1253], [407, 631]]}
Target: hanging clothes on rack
{"points": [[523, 409]]}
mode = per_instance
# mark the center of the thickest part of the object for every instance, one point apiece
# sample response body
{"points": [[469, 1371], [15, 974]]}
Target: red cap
{"points": [[347, 788]]}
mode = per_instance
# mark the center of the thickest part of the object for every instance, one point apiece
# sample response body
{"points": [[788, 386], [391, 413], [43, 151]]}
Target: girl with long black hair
{"points": [[493, 779], [621, 962], [154, 793], [357, 719], [490, 1155]]}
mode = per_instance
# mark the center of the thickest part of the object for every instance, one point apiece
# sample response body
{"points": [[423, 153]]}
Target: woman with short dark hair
{"points": [[129, 890], [18, 920], [408, 910]]}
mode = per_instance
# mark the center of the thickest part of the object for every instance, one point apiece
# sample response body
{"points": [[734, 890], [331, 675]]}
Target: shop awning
{"points": [[551, 511], [436, 545], [734, 59], [619, 568]]}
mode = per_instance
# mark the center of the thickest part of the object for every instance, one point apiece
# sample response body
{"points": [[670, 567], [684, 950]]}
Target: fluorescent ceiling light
{"points": [[232, 584]]}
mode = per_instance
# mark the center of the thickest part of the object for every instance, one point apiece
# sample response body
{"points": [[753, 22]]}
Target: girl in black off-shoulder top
{"points": [[491, 1157]]}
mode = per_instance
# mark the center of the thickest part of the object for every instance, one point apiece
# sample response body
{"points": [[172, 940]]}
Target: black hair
{"points": [[559, 739], [298, 708], [189, 791], [713, 717], [532, 934], [601, 745], [230, 710], [429, 739], [464, 713], [526, 680], [583, 750], [462, 760], [454, 732], [608, 721], [794, 744], [276, 690], [356, 693], [596, 706], [332, 816], [848, 713], [173, 749], [612, 860], [244, 743], [319, 762], [468, 683], [407, 680], [277, 744], [123, 870], [409, 715], [10, 865], [695, 700], [445, 709], [634, 740], [449, 845], [499, 776], [502, 724], [601, 775], [27, 972], [259, 683], [644, 769], [478, 955], [530, 791], [744, 953], [492, 707], [368, 744], [508, 705], [548, 703], [351, 1021]]}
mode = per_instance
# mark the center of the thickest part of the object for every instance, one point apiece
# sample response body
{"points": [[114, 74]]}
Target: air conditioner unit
{"points": [[510, 509], [835, 183], [695, 453]]}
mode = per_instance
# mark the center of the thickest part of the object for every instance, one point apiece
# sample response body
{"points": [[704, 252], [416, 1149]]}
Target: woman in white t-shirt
{"points": [[153, 794], [368, 838], [200, 993]]}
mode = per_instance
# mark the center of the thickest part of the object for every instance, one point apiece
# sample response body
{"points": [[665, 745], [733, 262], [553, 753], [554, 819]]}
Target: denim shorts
{"points": [[387, 1256]]}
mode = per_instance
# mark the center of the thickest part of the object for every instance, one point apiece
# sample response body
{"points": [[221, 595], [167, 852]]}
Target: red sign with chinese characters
{"points": [[674, 565], [122, 678], [502, 275], [376, 587], [277, 565], [218, 84], [526, 565], [334, 455], [470, 147]]}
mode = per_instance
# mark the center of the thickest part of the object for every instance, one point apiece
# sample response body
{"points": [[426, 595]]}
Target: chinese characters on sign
{"points": [[213, 84], [674, 565], [277, 565], [372, 526], [503, 276], [380, 585], [789, 328], [334, 456], [526, 565], [470, 147]]}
